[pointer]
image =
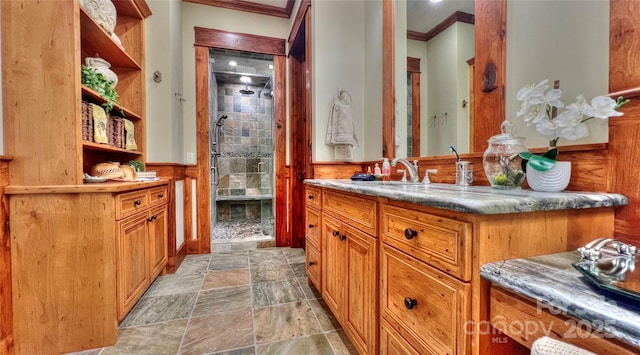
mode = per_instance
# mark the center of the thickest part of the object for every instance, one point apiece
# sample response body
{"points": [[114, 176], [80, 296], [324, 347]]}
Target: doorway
{"points": [[207, 118], [241, 141]]}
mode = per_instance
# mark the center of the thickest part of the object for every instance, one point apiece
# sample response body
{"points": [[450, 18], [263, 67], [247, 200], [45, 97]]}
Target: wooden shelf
{"points": [[127, 8], [94, 96], [107, 148], [96, 40]]}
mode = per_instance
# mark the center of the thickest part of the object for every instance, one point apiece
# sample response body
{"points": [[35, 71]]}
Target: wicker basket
{"points": [[87, 122]]}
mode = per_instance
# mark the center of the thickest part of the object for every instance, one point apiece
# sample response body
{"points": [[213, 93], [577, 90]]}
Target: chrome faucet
{"points": [[413, 172]]}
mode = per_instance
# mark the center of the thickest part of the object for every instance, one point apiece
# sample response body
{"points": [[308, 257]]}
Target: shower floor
{"points": [[238, 230]]}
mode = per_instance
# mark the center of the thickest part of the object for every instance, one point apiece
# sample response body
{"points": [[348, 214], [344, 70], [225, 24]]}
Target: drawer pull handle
{"points": [[410, 302], [311, 263], [410, 233], [311, 226], [160, 195], [343, 237], [310, 197], [336, 233], [152, 218], [137, 202]]}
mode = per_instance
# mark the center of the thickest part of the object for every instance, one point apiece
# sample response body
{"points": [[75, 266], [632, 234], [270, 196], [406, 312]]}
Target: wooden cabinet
{"points": [[141, 244], [313, 217], [427, 307], [349, 268], [43, 93]]}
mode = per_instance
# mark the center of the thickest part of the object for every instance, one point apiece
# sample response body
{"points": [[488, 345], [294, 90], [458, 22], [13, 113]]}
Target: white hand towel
{"points": [[340, 128]]}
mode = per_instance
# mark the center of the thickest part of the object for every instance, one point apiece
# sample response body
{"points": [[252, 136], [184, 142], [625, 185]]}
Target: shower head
{"points": [[246, 90], [219, 122]]}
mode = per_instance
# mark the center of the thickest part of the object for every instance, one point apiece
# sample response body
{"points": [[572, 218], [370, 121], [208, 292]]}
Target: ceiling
{"points": [[423, 15], [252, 65]]}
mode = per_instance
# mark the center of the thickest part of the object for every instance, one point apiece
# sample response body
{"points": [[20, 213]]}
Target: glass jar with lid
{"points": [[501, 162]]}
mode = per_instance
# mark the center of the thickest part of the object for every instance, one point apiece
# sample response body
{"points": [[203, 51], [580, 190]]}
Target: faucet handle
{"points": [[404, 174], [426, 179]]}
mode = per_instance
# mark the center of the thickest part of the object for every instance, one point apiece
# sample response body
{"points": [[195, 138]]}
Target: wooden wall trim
{"points": [[490, 70], [6, 300], [208, 37], [413, 65], [203, 179], [457, 16], [300, 15], [279, 138], [418, 36], [249, 6], [624, 45], [388, 79]]}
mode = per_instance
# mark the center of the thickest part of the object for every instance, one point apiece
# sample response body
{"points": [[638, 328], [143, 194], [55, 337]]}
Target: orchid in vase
{"points": [[539, 108]]}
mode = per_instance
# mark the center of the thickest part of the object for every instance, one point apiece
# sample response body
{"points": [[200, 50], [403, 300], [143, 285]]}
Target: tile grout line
{"points": [[253, 314], [184, 333]]}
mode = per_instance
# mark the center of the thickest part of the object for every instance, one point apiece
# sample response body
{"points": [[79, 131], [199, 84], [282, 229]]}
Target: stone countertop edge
{"points": [[476, 199], [556, 286]]}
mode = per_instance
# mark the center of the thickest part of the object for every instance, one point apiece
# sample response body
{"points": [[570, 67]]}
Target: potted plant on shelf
{"points": [[539, 108]]}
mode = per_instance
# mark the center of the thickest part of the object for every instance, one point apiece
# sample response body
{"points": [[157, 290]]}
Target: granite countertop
{"points": [[474, 199], [551, 280]]}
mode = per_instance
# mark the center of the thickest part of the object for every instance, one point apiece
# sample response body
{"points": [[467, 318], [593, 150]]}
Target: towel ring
{"points": [[341, 93]]}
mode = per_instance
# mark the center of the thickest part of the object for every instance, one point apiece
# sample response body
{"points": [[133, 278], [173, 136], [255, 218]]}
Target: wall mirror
{"points": [[530, 57], [440, 50]]}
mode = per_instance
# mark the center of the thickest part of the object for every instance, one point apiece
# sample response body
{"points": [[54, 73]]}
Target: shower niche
{"points": [[242, 148]]}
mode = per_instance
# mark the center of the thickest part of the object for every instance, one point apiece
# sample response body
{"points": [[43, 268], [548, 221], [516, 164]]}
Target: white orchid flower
{"points": [[602, 107], [547, 127], [574, 132]]}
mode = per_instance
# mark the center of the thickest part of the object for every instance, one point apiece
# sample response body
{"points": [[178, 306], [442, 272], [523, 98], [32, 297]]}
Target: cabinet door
{"points": [[360, 311], [132, 271], [158, 228], [334, 268]]}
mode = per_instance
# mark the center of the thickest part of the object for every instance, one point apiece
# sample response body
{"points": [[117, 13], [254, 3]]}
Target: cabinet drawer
{"points": [[131, 202], [352, 209], [441, 242], [158, 195], [427, 307], [392, 343], [312, 227], [314, 196], [314, 266]]}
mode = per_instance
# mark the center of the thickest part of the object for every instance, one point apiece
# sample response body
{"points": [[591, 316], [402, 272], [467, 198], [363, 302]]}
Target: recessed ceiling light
{"points": [[435, 1], [245, 79], [270, 66], [232, 63]]}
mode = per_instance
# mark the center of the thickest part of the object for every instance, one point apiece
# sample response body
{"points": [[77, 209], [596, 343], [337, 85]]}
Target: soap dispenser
{"points": [[386, 169], [376, 170]]}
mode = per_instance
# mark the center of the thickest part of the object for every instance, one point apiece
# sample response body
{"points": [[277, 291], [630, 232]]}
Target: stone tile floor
{"points": [[238, 300]]}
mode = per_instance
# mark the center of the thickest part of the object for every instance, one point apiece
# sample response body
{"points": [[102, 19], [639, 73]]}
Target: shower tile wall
{"points": [[246, 146]]}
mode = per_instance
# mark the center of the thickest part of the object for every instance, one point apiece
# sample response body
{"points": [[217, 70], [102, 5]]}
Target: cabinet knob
{"points": [[410, 302], [343, 237], [410, 233], [336, 233], [310, 225], [160, 195], [311, 263], [137, 202], [310, 197]]}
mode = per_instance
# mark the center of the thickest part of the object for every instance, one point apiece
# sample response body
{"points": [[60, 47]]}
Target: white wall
{"points": [[164, 111], [565, 40], [466, 51], [196, 15]]}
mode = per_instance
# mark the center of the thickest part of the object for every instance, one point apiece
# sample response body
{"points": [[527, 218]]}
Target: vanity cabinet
{"points": [[424, 289], [313, 241], [349, 265], [413, 270]]}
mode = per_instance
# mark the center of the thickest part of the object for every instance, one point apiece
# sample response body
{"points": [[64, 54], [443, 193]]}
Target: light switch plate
{"points": [[191, 158]]}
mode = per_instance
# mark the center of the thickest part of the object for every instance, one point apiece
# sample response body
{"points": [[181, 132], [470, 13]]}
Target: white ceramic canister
{"points": [[103, 12], [102, 66]]}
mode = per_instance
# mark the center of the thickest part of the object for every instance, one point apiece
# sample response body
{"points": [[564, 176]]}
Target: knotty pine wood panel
{"points": [[624, 133], [6, 304], [282, 235], [201, 243], [30, 72], [337, 170], [63, 242], [624, 45], [490, 68]]}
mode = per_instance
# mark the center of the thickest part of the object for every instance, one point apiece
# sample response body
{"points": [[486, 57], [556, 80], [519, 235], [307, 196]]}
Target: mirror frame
{"points": [[489, 75]]}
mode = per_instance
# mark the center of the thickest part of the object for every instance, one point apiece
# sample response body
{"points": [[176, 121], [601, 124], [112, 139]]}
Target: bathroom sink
{"points": [[392, 183]]}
